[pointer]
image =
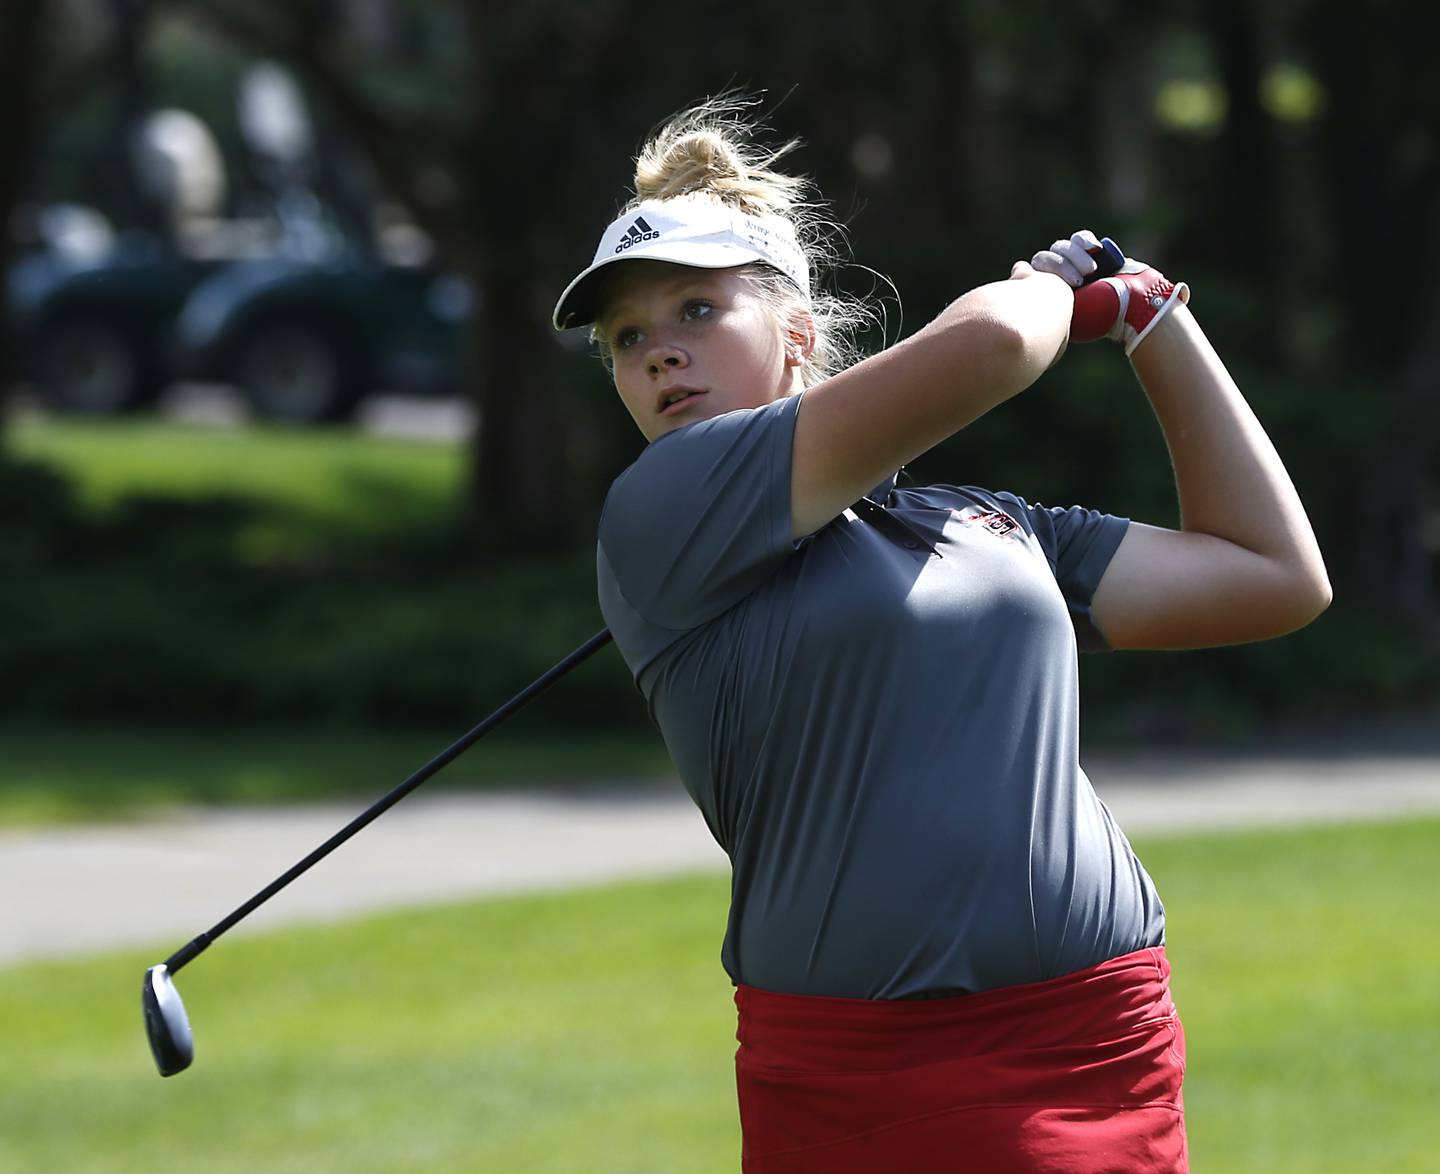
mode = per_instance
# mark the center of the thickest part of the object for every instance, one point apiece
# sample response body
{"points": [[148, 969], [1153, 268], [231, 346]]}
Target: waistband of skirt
{"points": [[1101, 1002]]}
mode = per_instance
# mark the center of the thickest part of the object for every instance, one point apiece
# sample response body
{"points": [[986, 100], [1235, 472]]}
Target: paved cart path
{"points": [[68, 891]]}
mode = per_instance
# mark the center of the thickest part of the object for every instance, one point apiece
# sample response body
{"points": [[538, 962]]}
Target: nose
{"points": [[665, 356]]}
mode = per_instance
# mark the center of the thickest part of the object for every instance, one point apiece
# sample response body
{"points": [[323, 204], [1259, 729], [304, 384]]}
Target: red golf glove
{"points": [[1123, 308], [1126, 307]]}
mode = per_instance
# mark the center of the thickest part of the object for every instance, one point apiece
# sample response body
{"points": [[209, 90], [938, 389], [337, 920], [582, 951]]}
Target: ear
{"points": [[799, 339]]}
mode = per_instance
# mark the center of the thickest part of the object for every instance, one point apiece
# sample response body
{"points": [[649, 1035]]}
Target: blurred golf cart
{"points": [[342, 308], [91, 307], [304, 307]]}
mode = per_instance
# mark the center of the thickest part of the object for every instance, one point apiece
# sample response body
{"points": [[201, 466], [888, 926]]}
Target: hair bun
{"points": [[699, 161], [706, 152]]}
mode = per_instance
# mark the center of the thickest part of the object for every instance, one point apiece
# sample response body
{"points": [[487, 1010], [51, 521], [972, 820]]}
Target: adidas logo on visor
{"points": [[637, 232]]}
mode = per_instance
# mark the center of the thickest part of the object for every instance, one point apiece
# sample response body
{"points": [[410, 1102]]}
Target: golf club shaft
{"points": [[201, 943]]}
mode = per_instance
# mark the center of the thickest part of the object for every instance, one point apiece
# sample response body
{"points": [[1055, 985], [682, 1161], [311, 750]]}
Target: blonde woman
{"points": [[946, 954]]}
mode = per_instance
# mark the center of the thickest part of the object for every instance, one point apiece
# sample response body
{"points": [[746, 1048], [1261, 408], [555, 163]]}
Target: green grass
{"points": [[594, 1031], [79, 773], [1307, 970], [580, 1032], [341, 480]]}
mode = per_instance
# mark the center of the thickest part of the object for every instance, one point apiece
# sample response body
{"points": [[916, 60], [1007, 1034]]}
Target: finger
{"points": [[1052, 261], [1020, 269], [1076, 250]]}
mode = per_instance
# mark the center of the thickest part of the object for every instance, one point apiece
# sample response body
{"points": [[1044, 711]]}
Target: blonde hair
{"points": [[707, 152]]}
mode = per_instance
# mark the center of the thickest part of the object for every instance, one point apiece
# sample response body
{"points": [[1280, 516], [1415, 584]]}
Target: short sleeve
{"points": [[702, 518], [1079, 543]]}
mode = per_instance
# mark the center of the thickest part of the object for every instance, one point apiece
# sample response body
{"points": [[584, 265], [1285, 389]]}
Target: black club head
{"points": [[166, 1024]]}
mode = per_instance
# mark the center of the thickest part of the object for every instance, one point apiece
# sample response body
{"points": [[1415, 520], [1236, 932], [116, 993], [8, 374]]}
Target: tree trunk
{"points": [[521, 497], [519, 490], [20, 28]]}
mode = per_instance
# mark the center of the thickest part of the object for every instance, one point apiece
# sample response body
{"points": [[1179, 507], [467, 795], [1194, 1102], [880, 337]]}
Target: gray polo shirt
{"points": [[879, 722]]}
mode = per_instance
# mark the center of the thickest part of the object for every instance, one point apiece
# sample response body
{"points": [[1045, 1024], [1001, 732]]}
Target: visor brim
{"points": [[577, 305]]}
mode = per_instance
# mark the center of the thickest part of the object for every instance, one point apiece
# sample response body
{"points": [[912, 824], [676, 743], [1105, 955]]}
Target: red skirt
{"points": [[1079, 1074]]}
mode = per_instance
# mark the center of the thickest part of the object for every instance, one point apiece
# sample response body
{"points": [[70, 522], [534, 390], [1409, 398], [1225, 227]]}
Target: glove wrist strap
{"points": [[1180, 293]]}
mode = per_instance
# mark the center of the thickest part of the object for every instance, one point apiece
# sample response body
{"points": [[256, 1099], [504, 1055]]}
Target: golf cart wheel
{"points": [[89, 364], [297, 373]]}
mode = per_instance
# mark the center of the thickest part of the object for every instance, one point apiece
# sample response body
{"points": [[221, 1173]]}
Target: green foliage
{"points": [[275, 577], [594, 1030]]}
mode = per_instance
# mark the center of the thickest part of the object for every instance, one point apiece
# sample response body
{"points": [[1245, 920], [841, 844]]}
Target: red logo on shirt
{"points": [[1001, 525]]}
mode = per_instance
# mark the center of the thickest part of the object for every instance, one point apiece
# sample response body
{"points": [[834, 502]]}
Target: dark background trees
{"points": [[1281, 156], [20, 30]]}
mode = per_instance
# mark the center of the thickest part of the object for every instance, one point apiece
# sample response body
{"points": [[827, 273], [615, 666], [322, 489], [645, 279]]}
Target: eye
{"points": [[697, 308], [625, 338]]}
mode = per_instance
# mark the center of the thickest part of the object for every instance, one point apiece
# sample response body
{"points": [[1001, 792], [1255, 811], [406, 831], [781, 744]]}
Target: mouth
{"points": [[675, 401]]}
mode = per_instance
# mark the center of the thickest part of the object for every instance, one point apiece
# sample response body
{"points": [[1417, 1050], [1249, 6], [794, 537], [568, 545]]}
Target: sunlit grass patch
{"points": [[340, 478]]}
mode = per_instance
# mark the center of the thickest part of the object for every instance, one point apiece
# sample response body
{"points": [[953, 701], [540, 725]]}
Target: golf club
{"points": [[1108, 260], [166, 1024]]}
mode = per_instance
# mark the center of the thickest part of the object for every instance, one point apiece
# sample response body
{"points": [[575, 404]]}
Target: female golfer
{"points": [[946, 955]]}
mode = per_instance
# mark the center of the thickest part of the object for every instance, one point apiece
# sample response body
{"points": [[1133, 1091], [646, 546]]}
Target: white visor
{"points": [[684, 231]]}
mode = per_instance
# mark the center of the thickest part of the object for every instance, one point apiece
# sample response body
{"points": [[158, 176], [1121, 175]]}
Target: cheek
{"points": [[643, 421], [632, 403], [761, 343], [625, 389]]}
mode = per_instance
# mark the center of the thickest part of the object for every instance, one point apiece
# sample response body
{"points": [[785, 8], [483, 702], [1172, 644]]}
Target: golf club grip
{"points": [[1109, 257], [519, 701]]}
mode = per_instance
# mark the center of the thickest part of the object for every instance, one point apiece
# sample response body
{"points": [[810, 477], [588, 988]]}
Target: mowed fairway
{"points": [[594, 1031]]}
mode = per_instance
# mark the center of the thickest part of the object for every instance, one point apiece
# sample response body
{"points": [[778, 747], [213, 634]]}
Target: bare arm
{"points": [[1245, 565], [859, 427]]}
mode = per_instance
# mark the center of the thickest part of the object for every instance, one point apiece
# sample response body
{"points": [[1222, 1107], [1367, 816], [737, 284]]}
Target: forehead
{"points": [[635, 282]]}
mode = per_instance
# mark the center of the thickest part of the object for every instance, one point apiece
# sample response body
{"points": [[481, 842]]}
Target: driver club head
{"points": [[166, 1024]]}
